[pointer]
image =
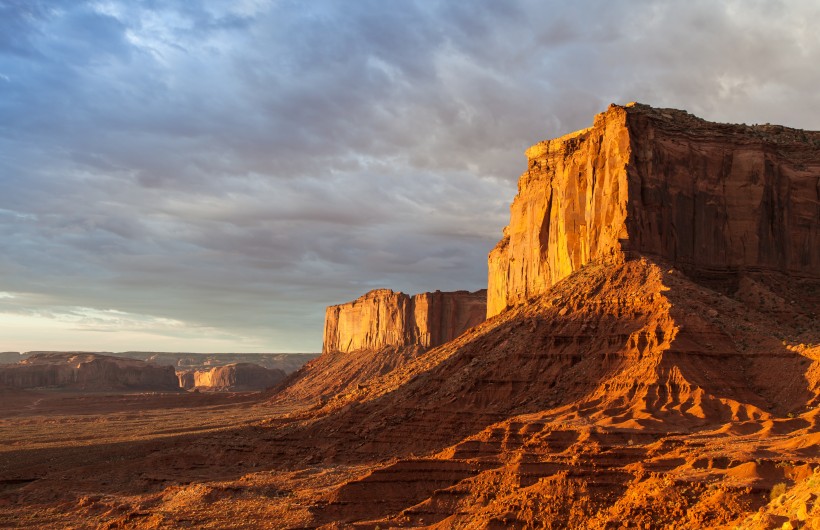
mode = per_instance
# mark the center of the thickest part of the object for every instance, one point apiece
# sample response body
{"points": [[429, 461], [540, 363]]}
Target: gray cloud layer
{"points": [[233, 167]]}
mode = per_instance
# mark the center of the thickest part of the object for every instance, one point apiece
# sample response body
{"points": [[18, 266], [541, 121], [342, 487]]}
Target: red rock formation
{"points": [[383, 318], [187, 379], [622, 393], [87, 371], [711, 198], [287, 362], [233, 377]]}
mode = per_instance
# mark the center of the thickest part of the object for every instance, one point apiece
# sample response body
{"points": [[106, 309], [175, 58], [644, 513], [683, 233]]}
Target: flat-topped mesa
{"points": [[710, 198], [234, 377], [87, 372], [383, 318]]}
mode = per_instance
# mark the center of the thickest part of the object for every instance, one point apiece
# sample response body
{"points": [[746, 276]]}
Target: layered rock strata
{"points": [[383, 318], [710, 198], [232, 378], [87, 371]]}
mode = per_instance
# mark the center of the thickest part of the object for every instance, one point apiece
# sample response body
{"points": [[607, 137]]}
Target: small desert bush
{"points": [[777, 490]]}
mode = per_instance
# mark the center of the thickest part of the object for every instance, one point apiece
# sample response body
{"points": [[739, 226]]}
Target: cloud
{"points": [[237, 166]]}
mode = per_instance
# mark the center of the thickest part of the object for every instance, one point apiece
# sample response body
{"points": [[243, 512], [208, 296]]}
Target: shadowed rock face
{"points": [[187, 379], [710, 198], [383, 318], [87, 371], [10, 357], [232, 377]]}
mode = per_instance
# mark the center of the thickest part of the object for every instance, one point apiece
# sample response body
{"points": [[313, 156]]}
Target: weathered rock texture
{"points": [[383, 318], [87, 371], [710, 198], [232, 378]]}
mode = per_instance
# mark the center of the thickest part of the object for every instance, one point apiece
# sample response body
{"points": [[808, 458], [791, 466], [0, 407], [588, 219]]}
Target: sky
{"points": [[209, 175]]}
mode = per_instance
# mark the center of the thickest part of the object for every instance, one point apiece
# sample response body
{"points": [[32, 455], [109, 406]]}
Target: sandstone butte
{"points": [[234, 377], [712, 199], [86, 371], [382, 318]]}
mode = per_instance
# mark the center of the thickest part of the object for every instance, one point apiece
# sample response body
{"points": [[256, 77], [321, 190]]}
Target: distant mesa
{"points": [[383, 318], [11, 357], [713, 199], [103, 371], [86, 372], [186, 361], [235, 377]]}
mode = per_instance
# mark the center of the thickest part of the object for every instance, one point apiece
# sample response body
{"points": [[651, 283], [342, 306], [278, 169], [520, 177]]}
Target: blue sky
{"points": [[208, 176]]}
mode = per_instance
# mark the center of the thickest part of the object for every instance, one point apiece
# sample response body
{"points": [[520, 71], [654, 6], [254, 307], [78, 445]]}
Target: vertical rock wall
{"points": [[711, 198], [440, 317], [384, 318], [569, 210]]}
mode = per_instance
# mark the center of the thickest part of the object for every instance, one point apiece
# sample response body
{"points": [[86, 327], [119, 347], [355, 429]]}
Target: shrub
{"points": [[777, 490]]}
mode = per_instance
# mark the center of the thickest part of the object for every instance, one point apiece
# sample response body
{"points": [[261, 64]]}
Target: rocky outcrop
{"points": [[10, 357], [187, 379], [88, 372], [713, 199], [383, 318], [234, 377]]}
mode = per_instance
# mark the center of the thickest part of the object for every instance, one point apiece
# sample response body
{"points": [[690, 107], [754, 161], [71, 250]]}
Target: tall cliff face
{"points": [[383, 318], [711, 198]]}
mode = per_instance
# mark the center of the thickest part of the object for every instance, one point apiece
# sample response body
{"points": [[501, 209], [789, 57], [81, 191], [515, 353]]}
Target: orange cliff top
{"points": [[711, 198]]}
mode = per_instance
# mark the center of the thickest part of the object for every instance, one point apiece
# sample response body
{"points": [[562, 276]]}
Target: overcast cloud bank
{"points": [[211, 175]]}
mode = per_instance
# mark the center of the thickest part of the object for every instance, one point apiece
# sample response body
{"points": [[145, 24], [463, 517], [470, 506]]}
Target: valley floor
{"points": [[629, 396]]}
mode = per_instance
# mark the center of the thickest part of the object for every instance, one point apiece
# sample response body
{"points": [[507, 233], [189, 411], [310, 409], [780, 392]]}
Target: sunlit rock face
{"points": [[713, 199], [234, 377], [87, 372], [383, 318]]}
